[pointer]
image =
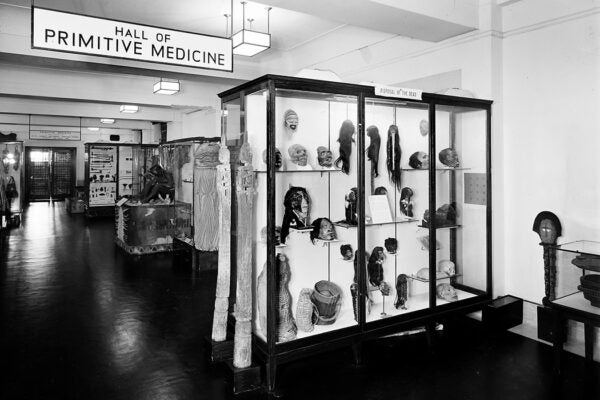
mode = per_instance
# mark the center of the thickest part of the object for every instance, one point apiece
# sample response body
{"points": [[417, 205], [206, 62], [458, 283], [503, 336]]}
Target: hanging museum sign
{"points": [[82, 34]]}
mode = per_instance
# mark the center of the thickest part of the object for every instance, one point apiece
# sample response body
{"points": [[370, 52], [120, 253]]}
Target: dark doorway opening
{"points": [[50, 173]]}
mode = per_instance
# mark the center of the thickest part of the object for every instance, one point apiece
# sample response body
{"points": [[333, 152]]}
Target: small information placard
{"points": [[403, 93], [380, 209]]}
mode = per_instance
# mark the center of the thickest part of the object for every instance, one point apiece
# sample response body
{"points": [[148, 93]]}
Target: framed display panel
{"points": [[379, 270], [113, 171]]}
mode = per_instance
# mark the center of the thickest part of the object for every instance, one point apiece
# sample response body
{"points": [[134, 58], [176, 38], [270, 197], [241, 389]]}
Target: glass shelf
{"points": [[416, 278], [437, 169], [441, 227], [260, 171], [580, 246], [346, 225]]}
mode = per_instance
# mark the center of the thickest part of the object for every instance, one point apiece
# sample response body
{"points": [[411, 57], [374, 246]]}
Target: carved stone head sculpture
{"points": [[449, 158], [446, 292], [447, 267], [298, 154], [224, 155], [424, 127], [324, 157], [346, 251], [322, 229], [391, 245], [290, 120], [547, 225], [419, 160], [278, 158]]}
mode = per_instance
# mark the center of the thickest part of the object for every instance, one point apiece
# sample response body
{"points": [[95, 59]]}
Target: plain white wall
{"points": [[551, 125]]}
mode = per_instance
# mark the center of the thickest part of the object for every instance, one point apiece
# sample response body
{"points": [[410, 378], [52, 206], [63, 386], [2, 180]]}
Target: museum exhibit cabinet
{"points": [[193, 161], [574, 288], [356, 231], [11, 184], [113, 171]]}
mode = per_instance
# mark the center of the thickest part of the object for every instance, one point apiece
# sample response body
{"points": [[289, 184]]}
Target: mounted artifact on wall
{"points": [[547, 225]]}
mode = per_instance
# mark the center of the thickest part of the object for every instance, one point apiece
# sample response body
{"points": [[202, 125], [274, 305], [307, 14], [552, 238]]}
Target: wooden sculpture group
{"points": [[244, 187]]}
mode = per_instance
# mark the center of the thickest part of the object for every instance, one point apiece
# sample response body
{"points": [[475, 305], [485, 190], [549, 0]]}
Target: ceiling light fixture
{"points": [[107, 120], [93, 128], [247, 42], [129, 108], [166, 87]]}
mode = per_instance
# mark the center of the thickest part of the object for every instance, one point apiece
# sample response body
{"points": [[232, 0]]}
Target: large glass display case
{"points": [[11, 182], [371, 214], [113, 171]]}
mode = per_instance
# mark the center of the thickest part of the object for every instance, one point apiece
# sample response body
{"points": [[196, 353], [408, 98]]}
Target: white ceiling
{"points": [[305, 33], [293, 23]]}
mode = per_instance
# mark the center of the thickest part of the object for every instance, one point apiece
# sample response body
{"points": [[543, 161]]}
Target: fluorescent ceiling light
{"points": [[107, 120], [166, 87], [249, 43], [93, 128], [129, 108]]}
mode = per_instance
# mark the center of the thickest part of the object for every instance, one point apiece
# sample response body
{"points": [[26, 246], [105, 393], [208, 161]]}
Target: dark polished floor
{"points": [[81, 320]]}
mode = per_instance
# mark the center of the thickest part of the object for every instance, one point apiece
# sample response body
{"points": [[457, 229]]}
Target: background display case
{"points": [[113, 171], [372, 271], [192, 161], [11, 182], [574, 293]]}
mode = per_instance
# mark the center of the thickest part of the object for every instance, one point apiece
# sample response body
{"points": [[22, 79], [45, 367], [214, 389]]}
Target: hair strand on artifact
{"points": [[394, 154]]}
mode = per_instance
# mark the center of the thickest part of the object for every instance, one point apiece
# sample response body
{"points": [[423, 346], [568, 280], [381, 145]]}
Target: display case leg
{"points": [[271, 375], [357, 352], [430, 332], [589, 339], [558, 342]]}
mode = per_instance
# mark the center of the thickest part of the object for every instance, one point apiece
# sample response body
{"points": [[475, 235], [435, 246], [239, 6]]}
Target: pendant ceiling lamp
{"points": [[248, 42], [166, 87]]}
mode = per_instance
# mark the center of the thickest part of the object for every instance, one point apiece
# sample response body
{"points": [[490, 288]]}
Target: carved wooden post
{"points": [[242, 348], [219, 330]]}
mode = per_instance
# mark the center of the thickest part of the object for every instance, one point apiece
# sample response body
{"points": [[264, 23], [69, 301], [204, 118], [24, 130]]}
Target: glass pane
{"points": [[461, 202], [256, 126], [314, 292], [396, 197]]}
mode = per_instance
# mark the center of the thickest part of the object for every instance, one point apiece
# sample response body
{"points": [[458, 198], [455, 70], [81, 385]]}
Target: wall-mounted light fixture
{"points": [[129, 108], [107, 120], [247, 42], [93, 128], [166, 87]]}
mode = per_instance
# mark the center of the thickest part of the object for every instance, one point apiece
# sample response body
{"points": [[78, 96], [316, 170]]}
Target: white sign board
{"points": [[54, 135], [403, 93], [73, 33]]}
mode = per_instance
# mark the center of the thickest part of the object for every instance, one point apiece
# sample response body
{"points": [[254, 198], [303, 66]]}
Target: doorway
{"points": [[50, 173]]}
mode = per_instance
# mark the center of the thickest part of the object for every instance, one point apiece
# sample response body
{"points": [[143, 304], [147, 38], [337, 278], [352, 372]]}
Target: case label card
{"points": [[404, 93]]}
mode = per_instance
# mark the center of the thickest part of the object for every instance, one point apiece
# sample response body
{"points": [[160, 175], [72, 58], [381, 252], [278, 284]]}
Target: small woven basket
{"points": [[326, 297], [306, 312]]}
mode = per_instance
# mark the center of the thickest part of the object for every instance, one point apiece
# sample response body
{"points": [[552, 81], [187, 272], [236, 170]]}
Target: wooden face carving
{"points": [[324, 156], [547, 232]]}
